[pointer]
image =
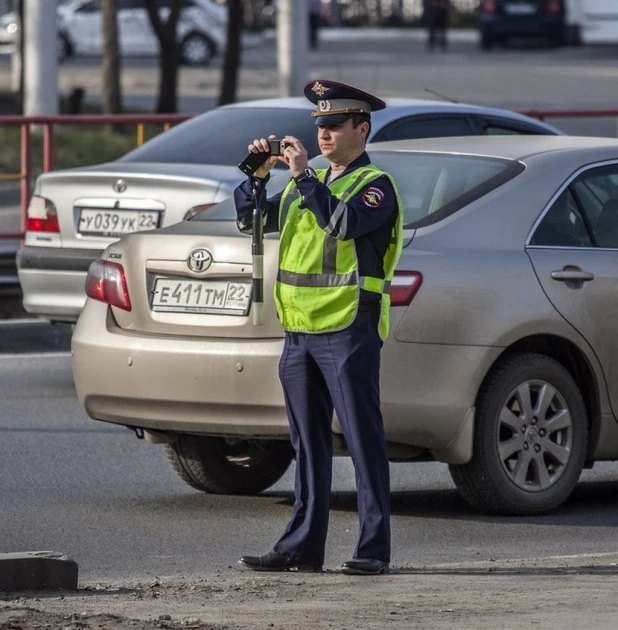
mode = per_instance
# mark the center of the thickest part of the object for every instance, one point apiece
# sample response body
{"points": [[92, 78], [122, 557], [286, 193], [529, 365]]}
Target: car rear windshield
{"points": [[221, 136], [432, 186]]}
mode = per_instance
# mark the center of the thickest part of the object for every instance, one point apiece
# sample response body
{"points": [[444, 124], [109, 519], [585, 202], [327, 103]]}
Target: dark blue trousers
{"points": [[340, 370]]}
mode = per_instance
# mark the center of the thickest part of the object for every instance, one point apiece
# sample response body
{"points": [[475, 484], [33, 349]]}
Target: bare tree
{"points": [[112, 101], [169, 53], [231, 64]]}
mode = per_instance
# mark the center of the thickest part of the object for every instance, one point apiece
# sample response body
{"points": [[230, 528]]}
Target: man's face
{"points": [[342, 143]]}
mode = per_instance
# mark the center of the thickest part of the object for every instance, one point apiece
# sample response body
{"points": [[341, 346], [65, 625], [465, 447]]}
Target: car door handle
{"points": [[572, 275]]}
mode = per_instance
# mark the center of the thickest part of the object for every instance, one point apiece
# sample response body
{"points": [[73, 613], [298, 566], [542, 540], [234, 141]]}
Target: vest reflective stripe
{"points": [[375, 285], [329, 256], [316, 279], [318, 287], [342, 207]]}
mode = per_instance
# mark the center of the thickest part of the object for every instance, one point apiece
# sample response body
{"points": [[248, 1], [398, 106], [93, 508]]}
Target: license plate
{"points": [[100, 222], [520, 9], [201, 296]]}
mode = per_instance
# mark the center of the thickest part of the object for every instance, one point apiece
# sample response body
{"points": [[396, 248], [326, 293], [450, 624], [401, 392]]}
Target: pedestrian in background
{"points": [[435, 17], [315, 15], [340, 240]]}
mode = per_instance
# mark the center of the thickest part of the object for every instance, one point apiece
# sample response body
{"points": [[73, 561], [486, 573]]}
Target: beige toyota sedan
{"points": [[501, 357]]}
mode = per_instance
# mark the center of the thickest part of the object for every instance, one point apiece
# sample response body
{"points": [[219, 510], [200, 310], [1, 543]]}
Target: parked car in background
{"points": [[10, 29], [74, 214], [503, 20], [201, 29], [500, 360], [596, 20]]}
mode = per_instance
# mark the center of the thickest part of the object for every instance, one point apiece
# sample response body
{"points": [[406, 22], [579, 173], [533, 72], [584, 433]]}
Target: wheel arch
{"points": [[575, 361]]}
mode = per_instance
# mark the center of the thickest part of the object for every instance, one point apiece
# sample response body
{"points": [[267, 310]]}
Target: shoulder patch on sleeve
{"points": [[373, 196]]}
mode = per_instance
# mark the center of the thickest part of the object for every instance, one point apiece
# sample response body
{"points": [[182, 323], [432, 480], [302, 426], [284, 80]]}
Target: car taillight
{"points": [[404, 287], [196, 210], [41, 215], [488, 6], [554, 7], [106, 282]]}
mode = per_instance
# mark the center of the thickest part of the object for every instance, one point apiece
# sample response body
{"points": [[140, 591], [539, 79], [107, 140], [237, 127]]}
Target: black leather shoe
{"points": [[274, 561], [364, 566]]}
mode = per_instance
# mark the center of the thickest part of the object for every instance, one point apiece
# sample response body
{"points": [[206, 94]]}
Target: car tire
{"points": [[196, 50], [551, 439], [229, 466]]}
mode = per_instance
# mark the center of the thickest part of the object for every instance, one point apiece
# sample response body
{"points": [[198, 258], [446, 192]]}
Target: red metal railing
{"points": [[48, 123]]}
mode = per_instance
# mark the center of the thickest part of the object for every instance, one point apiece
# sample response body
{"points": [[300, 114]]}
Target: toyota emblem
{"points": [[199, 260], [120, 186]]}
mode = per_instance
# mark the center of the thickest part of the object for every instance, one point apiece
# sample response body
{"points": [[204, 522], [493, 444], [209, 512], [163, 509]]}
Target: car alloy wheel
{"points": [[534, 436], [530, 438], [196, 50]]}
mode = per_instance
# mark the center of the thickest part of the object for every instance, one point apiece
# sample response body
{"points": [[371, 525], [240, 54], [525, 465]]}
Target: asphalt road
{"points": [[391, 62], [113, 503]]}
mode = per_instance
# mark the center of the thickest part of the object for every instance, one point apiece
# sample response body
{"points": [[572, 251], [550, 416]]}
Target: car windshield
{"points": [[221, 136], [431, 185]]}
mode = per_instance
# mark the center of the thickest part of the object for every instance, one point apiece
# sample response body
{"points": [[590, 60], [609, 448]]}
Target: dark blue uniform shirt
{"points": [[370, 218]]}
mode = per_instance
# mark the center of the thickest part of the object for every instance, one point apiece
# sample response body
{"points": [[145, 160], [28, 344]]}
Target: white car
{"points": [[201, 29]]}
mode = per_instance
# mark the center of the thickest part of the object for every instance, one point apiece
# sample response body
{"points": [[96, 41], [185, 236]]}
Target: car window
{"points": [[563, 225], [90, 7], [434, 186], [221, 136], [431, 186], [167, 4], [595, 187], [597, 192], [417, 127], [502, 127]]}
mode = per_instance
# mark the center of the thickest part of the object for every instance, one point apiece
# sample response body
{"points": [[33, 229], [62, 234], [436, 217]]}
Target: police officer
{"points": [[340, 240]]}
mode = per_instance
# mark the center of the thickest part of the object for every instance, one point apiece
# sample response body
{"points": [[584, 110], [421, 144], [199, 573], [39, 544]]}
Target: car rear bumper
{"points": [[54, 295], [220, 386], [52, 280], [202, 385]]}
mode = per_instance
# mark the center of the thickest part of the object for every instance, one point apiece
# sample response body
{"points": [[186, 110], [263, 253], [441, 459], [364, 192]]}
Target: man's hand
{"points": [[295, 155], [261, 146]]}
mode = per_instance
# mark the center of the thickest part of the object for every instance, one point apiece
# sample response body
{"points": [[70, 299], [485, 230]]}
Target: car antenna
{"points": [[446, 98]]}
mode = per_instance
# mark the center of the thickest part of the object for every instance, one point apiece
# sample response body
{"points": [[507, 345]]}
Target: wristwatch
{"points": [[308, 173]]}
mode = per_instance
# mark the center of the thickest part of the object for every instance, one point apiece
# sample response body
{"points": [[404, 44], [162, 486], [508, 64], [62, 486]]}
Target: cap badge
{"points": [[324, 106], [319, 89]]}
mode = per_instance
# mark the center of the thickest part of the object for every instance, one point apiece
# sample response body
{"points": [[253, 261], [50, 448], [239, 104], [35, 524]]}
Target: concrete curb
{"points": [[37, 571]]}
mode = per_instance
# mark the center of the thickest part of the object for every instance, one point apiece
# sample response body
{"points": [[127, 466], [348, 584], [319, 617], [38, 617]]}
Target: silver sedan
{"points": [[501, 357]]}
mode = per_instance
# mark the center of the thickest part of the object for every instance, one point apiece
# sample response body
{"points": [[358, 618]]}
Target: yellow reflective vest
{"points": [[318, 284]]}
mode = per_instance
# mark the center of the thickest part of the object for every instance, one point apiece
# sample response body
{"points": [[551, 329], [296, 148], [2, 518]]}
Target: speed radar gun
{"points": [[248, 166]]}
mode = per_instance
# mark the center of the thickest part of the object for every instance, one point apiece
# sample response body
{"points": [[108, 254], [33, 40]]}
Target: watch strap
{"points": [[308, 173]]}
